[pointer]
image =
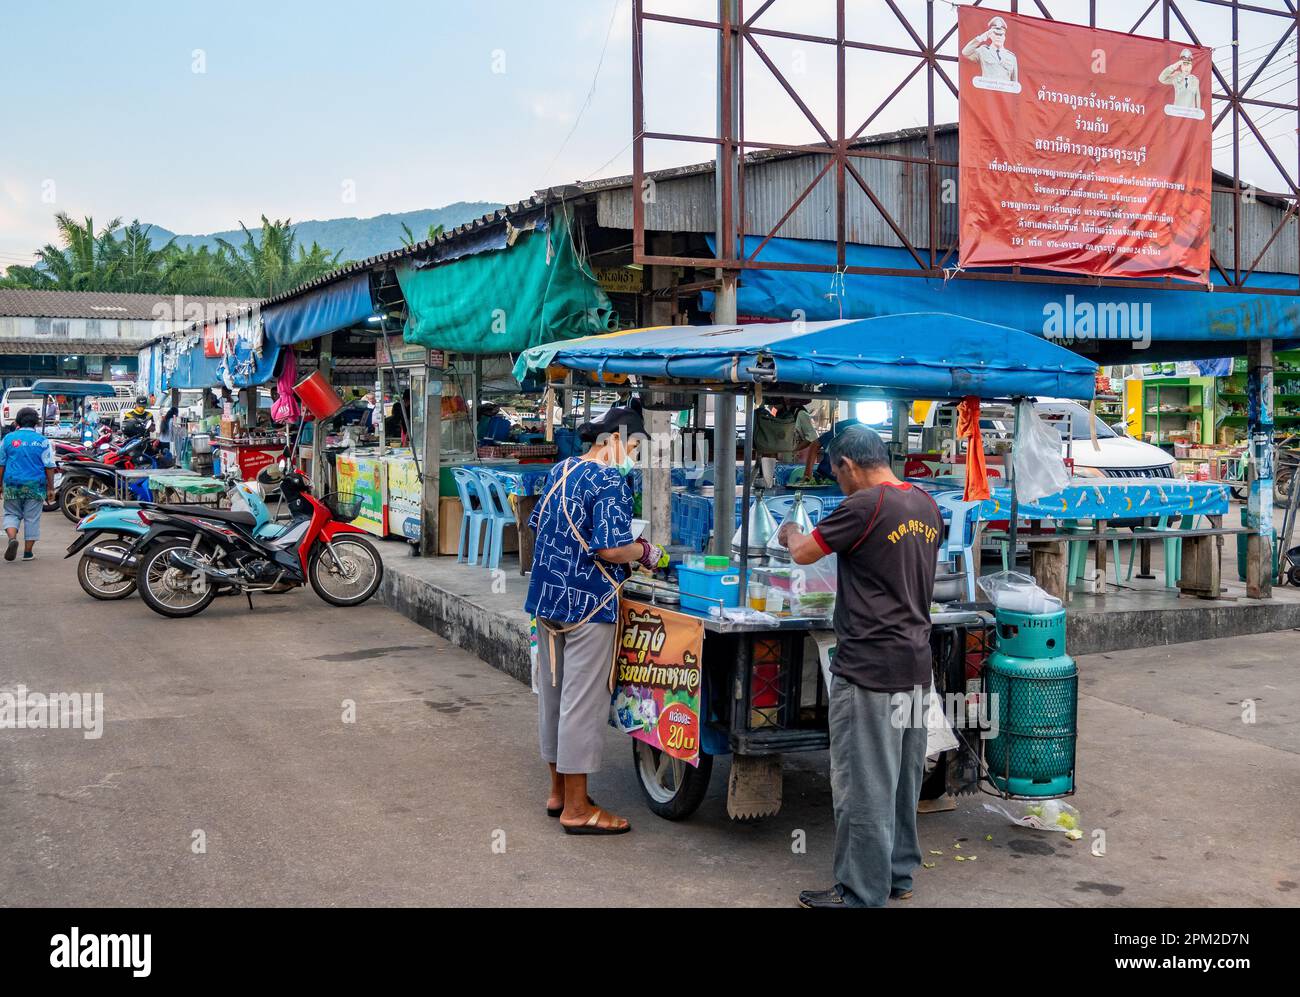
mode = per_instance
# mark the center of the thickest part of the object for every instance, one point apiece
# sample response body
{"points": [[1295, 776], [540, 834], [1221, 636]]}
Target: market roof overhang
{"points": [[1109, 324], [915, 355]]}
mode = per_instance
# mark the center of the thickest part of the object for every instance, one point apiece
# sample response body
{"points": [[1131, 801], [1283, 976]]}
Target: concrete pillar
{"points": [[318, 429], [1259, 505]]}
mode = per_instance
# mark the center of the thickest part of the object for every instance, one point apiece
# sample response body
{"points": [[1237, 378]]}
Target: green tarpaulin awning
{"points": [[533, 292]]}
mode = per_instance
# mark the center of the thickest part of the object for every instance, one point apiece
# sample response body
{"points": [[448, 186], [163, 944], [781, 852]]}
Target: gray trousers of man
{"points": [[877, 766], [573, 713]]}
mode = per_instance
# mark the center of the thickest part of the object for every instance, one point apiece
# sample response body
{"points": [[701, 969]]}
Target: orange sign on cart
{"points": [[658, 656]]}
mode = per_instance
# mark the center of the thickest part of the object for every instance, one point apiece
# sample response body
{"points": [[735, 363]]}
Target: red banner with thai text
{"points": [[1083, 151]]}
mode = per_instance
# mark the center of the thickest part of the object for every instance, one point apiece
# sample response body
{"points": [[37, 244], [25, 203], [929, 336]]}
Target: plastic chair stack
{"points": [[498, 514], [473, 514]]}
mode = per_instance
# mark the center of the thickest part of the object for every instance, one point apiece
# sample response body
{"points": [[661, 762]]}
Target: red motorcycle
{"points": [[188, 554]]}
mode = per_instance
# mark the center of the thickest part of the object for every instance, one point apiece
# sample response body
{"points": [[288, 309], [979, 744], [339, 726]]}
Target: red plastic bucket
{"points": [[321, 400]]}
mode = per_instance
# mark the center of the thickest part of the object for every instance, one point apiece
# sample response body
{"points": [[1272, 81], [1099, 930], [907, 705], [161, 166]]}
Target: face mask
{"points": [[625, 465]]}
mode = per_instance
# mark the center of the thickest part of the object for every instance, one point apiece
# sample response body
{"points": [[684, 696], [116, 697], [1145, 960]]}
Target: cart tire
{"points": [[672, 789]]}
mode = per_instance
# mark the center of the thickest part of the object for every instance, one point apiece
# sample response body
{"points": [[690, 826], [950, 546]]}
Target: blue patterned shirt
{"points": [[565, 584]]}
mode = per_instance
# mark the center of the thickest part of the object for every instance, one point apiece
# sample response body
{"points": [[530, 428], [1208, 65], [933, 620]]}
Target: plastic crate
{"points": [[702, 591]]}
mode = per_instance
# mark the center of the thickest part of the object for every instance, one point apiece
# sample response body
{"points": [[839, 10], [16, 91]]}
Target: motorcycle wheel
{"points": [[353, 581], [167, 590], [99, 581], [76, 495]]}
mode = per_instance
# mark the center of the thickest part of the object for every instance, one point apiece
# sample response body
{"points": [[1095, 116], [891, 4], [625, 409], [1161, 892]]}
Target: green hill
{"points": [[357, 238]]}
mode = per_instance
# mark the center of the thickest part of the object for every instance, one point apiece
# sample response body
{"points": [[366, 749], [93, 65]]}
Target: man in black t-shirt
{"points": [[886, 537]]}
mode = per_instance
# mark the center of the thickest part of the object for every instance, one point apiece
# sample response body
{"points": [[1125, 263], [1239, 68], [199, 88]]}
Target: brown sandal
{"points": [[593, 825]]}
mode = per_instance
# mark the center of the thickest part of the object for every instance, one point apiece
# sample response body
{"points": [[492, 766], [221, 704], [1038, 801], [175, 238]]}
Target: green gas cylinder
{"points": [[1032, 687]]}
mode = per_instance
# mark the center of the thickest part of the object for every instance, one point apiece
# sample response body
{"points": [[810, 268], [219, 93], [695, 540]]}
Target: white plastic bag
{"points": [[1036, 457], [1017, 592], [1050, 815]]}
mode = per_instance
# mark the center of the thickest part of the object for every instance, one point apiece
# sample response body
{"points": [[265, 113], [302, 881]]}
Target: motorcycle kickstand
{"points": [[249, 596]]}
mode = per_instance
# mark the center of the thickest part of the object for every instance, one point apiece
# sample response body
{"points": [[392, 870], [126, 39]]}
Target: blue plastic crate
{"points": [[703, 590]]}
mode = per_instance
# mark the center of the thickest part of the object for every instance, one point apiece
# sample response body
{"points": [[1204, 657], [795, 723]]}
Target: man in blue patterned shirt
{"points": [[584, 538], [26, 477]]}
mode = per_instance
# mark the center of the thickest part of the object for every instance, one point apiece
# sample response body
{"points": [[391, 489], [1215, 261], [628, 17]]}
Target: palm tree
{"points": [[83, 264], [408, 237], [136, 265], [270, 267]]}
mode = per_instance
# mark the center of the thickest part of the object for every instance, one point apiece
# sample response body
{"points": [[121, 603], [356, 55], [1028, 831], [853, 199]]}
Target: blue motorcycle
{"points": [[104, 571]]}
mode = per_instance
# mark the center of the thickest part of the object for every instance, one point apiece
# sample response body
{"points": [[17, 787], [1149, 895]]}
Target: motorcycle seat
{"points": [[221, 515]]}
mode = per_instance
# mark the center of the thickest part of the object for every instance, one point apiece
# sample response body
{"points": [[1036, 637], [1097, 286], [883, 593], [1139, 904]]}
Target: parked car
{"points": [[1116, 454]]}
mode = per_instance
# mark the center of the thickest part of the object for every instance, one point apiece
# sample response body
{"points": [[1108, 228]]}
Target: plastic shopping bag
{"points": [[1036, 457]]}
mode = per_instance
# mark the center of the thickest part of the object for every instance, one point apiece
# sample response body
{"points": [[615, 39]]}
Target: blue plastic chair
{"points": [[963, 520], [473, 514], [499, 514]]}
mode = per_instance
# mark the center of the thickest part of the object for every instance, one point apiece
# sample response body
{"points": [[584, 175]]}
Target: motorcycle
{"points": [[81, 482], [113, 526], [186, 556]]}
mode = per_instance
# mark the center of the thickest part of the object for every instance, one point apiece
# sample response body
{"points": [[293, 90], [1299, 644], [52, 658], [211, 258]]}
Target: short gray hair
{"points": [[860, 444]]}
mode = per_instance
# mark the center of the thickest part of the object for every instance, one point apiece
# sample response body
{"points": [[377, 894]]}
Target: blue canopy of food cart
{"points": [[915, 355], [72, 389]]}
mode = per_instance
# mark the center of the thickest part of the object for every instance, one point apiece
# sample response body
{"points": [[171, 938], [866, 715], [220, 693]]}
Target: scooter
{"points": [[188, 555], [84, 481], [113, 526]]}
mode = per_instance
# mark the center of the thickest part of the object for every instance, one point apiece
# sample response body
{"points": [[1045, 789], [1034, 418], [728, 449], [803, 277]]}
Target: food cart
{"points": [[695, 681]]}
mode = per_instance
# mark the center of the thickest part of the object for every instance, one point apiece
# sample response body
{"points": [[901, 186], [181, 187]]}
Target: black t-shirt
{"points": [[887, 538]]}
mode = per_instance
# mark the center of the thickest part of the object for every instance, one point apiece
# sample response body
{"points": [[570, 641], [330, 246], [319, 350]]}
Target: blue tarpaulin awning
{"points": [[326, 309], [920, 355], [1142, 324]]}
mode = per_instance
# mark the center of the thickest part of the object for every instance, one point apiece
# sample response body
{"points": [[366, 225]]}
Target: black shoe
{"points": [[11, 551], [822, 898], [900, 894]]}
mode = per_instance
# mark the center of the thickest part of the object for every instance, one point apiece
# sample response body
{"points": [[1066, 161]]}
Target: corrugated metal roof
{"points": [[66, 348], [20, 303]]}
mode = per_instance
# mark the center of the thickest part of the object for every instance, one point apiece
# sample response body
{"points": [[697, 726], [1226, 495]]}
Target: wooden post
{"points": [[430, 463], [1259, 505], [1200, 570], [1049, 564]]}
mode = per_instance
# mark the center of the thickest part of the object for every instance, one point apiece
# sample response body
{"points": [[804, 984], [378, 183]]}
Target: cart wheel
{"points": [[673, 789], [1293, 576]]}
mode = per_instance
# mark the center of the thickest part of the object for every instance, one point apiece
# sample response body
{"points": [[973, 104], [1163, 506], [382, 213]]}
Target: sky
{"points": [[197, 116]]}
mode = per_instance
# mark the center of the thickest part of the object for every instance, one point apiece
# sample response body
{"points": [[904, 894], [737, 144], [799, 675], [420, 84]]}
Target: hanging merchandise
{"points": [[1036, 457], [285, 408], [968, 429]]}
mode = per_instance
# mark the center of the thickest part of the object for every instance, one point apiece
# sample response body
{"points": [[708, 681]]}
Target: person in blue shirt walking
{"points": [[584, 539], [26, 477]]}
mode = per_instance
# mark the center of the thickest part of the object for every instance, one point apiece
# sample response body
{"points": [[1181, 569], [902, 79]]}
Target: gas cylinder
{"points": [[1032, 687]]}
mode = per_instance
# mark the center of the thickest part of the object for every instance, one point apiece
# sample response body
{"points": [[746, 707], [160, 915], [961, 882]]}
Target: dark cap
{"points": [[628, 421]]}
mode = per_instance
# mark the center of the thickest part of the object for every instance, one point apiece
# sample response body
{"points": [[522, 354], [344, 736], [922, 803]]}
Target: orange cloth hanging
{"points": [[968, 428]]}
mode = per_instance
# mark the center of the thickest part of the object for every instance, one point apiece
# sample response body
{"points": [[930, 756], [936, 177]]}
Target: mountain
{"points": [[357, 238]]}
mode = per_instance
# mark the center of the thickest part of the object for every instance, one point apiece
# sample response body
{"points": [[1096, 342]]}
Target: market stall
{"points": [[758, 689]]}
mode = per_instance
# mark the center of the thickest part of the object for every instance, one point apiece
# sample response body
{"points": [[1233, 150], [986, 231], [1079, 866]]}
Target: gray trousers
{"points": [[876, 772], [572, 715]]}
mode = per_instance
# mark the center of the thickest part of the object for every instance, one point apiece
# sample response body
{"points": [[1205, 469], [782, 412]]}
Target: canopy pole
{"points": [[1011, 477], [744, 505]]}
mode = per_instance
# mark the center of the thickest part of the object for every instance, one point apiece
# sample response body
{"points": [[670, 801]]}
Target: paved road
{"points": [[232, 724]]}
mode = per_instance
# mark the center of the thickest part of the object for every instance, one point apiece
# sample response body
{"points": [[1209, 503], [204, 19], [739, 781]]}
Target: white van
{"points": [[1115, 455]]}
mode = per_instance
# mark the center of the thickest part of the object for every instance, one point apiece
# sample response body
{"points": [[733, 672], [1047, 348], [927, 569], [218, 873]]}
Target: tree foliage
{"points": [[265, 263]]}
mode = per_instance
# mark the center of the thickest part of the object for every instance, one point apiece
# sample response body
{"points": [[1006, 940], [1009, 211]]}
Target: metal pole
{"points": [[744, 505], [724, 313], [1011, 477], [1259, 503]]}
